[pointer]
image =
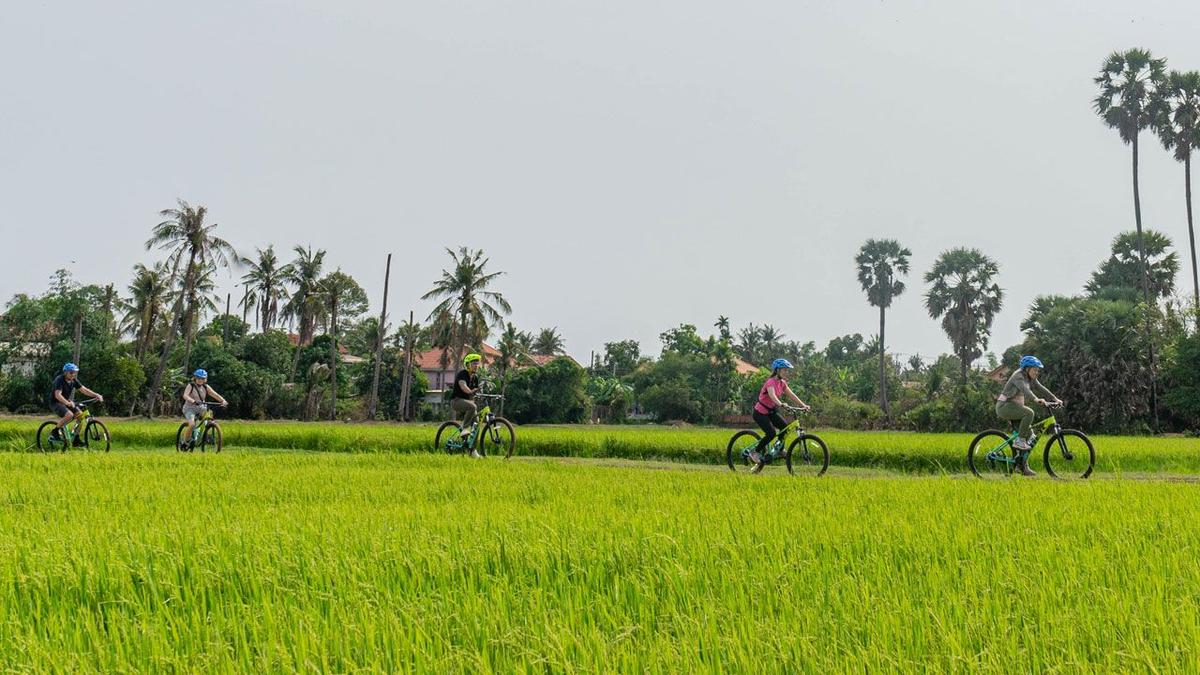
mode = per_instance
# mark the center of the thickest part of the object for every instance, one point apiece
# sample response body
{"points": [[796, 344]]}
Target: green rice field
{"points": [[267, 558]]}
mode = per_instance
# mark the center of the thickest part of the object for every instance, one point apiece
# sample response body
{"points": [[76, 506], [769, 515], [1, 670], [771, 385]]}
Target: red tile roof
{"points": [[432, 359]]}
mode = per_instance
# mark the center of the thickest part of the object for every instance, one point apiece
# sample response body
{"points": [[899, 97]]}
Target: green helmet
{"points": [[471, 358]]}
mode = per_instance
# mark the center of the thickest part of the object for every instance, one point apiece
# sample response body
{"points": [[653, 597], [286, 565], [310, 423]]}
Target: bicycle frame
{"points": [[202, 424], [780, 440], [482, 419], [997, 454]]}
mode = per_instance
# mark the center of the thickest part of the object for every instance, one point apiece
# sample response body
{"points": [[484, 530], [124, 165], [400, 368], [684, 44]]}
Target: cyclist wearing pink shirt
{"points": [[766, 410]]}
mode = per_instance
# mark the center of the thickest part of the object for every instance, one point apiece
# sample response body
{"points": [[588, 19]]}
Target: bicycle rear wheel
{"points": [[1069, 455], [808, 456], [449, 438], [498, 439], [739, 447], [44, 441], [95, 436], [182, 438], [990, 455]]}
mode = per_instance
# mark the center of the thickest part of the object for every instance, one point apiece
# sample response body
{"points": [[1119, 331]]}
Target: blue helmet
{"points": [[780, 363], [1031, 362], [70, 368], [201, 373]]}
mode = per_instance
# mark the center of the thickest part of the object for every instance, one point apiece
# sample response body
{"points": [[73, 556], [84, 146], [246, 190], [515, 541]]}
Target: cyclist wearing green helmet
{"points": [[466, 385]]}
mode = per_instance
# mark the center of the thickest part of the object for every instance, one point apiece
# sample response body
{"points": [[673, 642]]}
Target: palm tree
{"points": [[465, 298], [771, 337], [143, 310], [185, 236], [305, 303], [1121, 275], [963, 292], [879, 262], [516, 349], [269, 281], [411, 338], [1129, 83], [200, 302], [749, 343], [336, 288], [722, 326], [1177, 122], [548, 342]]}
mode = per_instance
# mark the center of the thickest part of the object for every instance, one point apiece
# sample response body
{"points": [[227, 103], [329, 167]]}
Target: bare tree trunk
{"points": [[1137, 212], [156, 381], [406, 382], [225, 322], [333, 355], [1187, 173], [887, 412], [78, 337], [374, 402]]}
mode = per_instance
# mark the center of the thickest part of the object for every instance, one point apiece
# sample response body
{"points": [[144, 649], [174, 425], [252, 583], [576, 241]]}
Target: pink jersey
{"points": [[765, 405]]}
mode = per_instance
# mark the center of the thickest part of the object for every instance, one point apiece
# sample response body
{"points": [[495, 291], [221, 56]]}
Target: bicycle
{"points": [[988, 456], [206, 433], [807, 454], [488, 433], [94, 432]]}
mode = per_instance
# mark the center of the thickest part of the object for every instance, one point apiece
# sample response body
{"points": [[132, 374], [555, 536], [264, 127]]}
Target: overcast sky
{"points": [[629, 165]]}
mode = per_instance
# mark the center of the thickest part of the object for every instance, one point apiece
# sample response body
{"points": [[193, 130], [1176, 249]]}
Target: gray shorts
{"points": [[191, 412]]}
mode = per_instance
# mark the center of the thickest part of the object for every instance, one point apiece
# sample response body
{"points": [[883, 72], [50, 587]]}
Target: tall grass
{"points": [[277, 562], [917, 453]]}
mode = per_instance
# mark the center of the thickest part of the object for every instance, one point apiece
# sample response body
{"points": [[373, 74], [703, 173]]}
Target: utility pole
{"points": [[374, 403]]}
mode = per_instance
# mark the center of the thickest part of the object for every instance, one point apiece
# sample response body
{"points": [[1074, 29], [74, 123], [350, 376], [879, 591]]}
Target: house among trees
{"points": [[440, 368]]}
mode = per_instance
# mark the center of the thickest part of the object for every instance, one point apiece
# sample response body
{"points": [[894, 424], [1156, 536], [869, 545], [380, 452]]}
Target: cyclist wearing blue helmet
{"points": [[195, 394], [766, 409], [1010, 405], [62, 397]]}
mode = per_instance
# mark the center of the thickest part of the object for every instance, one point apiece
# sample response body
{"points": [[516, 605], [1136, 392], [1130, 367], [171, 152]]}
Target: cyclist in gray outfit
{"points": [[1010, 405]]}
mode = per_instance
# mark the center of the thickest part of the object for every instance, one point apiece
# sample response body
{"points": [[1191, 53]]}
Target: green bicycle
{"points": [[206, 434], [489, 434], [1068, 454], [93, 437], [806, 455]]}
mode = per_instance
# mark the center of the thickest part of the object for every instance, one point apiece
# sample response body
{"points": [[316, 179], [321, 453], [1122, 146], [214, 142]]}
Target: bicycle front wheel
{"points": [[95, 436], [212, 438], [498, 439], [807, 456], [989, 456], [1069, 455]]}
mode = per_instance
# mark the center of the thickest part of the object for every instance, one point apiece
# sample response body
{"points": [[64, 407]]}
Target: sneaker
{"points": [[1021, 444], [757, 468], [475, 454], [77, 443], [755, 458], [1023, 468]]}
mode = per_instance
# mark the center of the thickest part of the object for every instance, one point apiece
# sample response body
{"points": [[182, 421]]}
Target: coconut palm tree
{"points": [[880, 262], [192, 245], [338, 289], [305, 304], [464, 296], [200, 302], [771, 337], [749, 343], [144, 309], [963, 292], [548, 342], [1177, 122], [269, 281], [1129, 83]]}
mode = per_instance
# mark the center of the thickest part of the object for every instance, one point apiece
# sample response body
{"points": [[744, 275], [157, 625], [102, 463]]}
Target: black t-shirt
{"points": [[472, 383], [67, 388]]}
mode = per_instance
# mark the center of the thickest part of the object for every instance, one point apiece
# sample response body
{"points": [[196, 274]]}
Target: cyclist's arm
{"points": [[217, 397], [774, 399], [462, 386], [58, 396], [187, 395], [89, 392], [1049, 395]]}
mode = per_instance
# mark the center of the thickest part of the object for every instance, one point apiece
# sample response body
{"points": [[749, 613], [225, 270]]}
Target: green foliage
{"points": [[553, 393], [1120, 276], [1182, 380], [391, 383], [621, 358], [683, 340], [270, 351]]}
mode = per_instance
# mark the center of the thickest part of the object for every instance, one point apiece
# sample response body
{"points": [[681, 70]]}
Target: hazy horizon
{"points": [[629, 166]]}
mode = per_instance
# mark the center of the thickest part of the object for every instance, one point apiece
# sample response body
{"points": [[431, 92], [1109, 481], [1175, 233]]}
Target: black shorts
{"points": [[60, 409]]}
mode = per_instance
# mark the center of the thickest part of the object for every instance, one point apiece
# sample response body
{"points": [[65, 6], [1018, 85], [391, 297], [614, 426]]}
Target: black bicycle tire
{"points": [[975, 442], [1086, 441], [804, 438]]}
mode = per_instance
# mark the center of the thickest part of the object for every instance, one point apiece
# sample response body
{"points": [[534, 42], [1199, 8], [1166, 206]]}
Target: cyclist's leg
{"points": [[1014, 412], [189, 415], [768, 424], [65, 415], [465, 411]]}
